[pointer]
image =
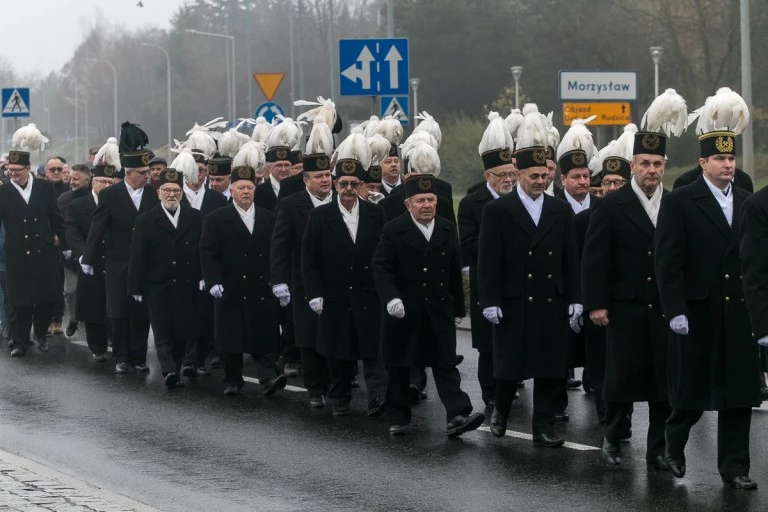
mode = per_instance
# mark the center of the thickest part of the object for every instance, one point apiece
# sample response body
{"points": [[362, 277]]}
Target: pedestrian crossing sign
{"points": [[15, 101]]}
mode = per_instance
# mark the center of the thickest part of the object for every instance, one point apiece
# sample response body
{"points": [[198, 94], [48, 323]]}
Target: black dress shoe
{"points": [[71, 329], [272, 386], [341, 408], [763, 394], [231, 390], [416, 394], [355, 382], [626, 436], [742, 483], [397, 430], [659, 463], [216, 362], [461, 424], [172, 381], [18, 352], [611, 453], [573, 383], [42, 345], [676, 465], [317, 401], [498, 424], [548, 441], [376, 407], [459, 359], [141, 368], [189, 371], [562, 416]]}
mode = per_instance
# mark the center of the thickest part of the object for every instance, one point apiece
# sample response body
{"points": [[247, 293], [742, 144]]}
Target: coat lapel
{"points": [[411, 234], [162, 221], [546, 221], [709, 205], [733, 234], [339, 228], [519, 214], [633, 209]]}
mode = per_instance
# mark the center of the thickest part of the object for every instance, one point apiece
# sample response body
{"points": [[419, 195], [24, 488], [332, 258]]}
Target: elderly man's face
{"points": [[54, 169]]}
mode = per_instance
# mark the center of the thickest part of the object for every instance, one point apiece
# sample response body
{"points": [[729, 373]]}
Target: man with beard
{"points": [[500, 180], [113, 222], [33, 225], [235, 257], [91, 291], [164, 272]]}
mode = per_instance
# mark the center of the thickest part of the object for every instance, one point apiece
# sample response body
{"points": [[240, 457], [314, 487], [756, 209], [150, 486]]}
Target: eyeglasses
{"points": [[143, 173], [503, 175], [613, 183], [171, 191], [15, 170], [55, 169], [349, 184], [282, 166]]}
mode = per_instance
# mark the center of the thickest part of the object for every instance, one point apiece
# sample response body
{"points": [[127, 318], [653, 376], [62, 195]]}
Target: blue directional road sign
{"points": [[15, 102], [268, 111], [394, 105], [373, 67]]}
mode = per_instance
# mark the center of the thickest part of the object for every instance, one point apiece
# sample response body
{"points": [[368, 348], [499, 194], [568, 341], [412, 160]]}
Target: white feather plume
{"points": [[369, 125], [320, 138], [232, 140], [725, 111], [186, 165], [533, 130], [286, 133], [596, 163], [324, 108], [203, 138], [625, 144], [109, 154], [423, 159], [251, 153], [260, 130], [429, 125], [355, 147], [417, 138], [513, 121], [578, 136], [29, 138], [496, 135], [391, 129], [668, 113], [379, 147]]}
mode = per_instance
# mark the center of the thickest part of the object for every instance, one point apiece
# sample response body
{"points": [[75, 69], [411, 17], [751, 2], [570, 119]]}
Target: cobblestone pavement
{"points": [[26, 486]]}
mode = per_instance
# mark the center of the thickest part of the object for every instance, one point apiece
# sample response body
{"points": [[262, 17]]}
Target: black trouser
{"points": [[58, 311], [341, 372], [129, 340], [732, 438], [203, 345], [315, 372], [266, 368], [447, 382], [288, 349], [418, 378], [96, 337], [618, 423], [170, 354], [546, 400], [485, 376], [25, 318]]}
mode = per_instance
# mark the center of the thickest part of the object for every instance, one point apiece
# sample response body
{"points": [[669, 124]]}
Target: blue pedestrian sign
{"points": [[394, 105], [373, 67], [268, 111], [15, 101]]}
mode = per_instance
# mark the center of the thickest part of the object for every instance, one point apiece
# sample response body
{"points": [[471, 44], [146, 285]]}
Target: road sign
{"points": [[608, 113], [391, 105], [373, 67], [268, 83], [598, 85], [268, 111], [15, 101]]}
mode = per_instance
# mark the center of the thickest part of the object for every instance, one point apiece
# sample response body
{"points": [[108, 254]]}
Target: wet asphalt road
{"points": [[194, 449]]}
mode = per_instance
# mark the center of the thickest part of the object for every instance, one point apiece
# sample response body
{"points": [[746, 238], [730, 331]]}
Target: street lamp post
{"points": [[748, 160], [114, 93], [517, 71], [415, 86], [656, 52], [230, 92], [168, 92]]}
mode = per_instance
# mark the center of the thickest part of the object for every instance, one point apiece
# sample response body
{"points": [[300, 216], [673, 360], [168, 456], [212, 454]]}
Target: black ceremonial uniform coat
{"points": [[289, 186], [740, 179], [165, 270], [426, 276], [394, 203], [532, 273], [618, 275], [754, 255], [341, 272], [113, 221], [698, 267], [264, 195], [470, 214], [64, 200], [245, 318], [212, 200], [91, 290], [32, 259], [292, 216]]}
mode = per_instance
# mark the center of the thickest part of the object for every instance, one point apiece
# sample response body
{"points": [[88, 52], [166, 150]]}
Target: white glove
{"points": [[137, 298], [67, 255], [87, 269], [457, 320], [574, 317], [216, 291], [395, 308], [493, 314], [317, 305], [375, 197], [465, 271], [763, 342], [282, 293], [679, 325], [202, 285]]}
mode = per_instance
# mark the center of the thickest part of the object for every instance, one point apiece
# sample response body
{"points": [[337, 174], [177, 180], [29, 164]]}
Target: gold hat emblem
{"points": [[348, 167], [425, 184], [109, 170], [213, 168], [13, 157], [375, 172], [505, 155], [539, 156], [651, 142], [578, 159], [724, 144], [612, 165], [244, 173], [323, 163], [145, 158], [281, 153], [550, 153], [171, 175]]}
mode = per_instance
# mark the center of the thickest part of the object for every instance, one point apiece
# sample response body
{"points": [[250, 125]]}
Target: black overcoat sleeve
{"points": [[101, 219], [596, 257], [468, 230], [311, 258], [384, 262], [72, 233], [754, 258], [489, 257], [137, 264], [210, 252], [280, 249], [669, 258]]}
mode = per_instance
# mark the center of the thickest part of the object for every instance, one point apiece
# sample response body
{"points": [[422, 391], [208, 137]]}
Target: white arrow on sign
{"points": [[393, 57], [364, 72]]}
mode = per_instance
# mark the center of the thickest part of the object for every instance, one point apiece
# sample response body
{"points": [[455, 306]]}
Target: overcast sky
{"points": [[40, 36]]}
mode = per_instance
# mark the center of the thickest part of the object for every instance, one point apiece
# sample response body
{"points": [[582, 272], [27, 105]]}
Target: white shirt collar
{"points": [[533, 206], [317, 202], [173, 217], [247, 216], [724, 198], [25, 192], [389, 187], [575, 205], [425, 230], [195, 197], [136, 194], [550, 191], [350, 218], [493, 192], [275, 185], [95, 197]]}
